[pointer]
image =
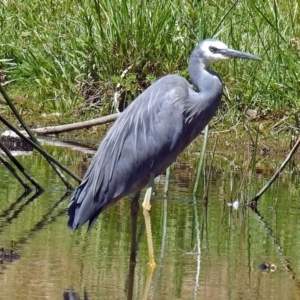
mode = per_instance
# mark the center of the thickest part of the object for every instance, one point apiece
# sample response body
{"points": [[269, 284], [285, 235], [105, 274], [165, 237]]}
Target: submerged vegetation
{"points": [[69, 56]]}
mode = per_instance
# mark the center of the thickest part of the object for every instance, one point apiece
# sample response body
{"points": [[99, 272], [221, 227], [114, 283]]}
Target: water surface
{"points": [[204, 248]]}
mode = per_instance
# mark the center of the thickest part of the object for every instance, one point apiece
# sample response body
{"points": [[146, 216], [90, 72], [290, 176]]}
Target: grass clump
{"points": [[63, 54]]}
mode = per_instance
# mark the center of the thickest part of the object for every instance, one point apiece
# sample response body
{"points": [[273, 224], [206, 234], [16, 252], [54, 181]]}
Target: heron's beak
{"points": [[230, 53]]}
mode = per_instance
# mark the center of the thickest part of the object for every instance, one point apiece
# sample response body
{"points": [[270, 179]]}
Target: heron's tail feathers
{"points": [[82, 207], [73, 209]]}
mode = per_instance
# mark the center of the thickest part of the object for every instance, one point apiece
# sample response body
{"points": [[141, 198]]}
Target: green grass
{"points": [[63, 55]]}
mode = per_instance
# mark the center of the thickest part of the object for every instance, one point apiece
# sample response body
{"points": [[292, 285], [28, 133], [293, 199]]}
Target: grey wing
{"points": [[144, 139]]}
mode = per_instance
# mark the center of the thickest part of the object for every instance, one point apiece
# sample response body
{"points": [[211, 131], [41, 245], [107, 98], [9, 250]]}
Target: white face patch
{"points": [[209, 56]]}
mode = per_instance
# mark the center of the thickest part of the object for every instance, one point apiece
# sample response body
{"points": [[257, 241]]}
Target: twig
{"points": [[38, 148], [232, 128], [253, 202], [279, 122], [75, 126], [21, 168]]}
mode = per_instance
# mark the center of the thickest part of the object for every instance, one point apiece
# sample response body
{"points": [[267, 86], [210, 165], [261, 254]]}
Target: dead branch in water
{"points": [[38, 148], [21, 169], [253, 202], [75, 126]]}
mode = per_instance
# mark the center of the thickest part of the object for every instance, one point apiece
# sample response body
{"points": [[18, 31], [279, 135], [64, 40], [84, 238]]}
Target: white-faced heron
{"points": [[149, 135]]}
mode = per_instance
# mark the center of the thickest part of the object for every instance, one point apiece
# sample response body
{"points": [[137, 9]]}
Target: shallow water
{"points": [[204, 248]]}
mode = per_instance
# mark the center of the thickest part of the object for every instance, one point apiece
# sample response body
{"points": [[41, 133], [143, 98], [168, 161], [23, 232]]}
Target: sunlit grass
{"points": [[63, 54]]}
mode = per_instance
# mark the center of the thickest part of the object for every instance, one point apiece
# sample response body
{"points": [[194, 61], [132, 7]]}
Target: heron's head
{"points": [[210, 50]]}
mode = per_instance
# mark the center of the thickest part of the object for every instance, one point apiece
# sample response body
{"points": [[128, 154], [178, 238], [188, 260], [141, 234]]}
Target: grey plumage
{"points": [[151, 132]]}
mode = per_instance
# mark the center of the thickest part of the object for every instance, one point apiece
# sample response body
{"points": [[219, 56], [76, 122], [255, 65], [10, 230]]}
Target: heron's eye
{"points": [[213, 49]]}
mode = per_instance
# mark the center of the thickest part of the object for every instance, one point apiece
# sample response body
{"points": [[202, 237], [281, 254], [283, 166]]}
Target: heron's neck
{"points": [[206, 81], [201, 106]]}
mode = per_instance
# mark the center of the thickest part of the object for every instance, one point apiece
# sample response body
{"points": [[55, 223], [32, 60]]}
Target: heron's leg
{"points": [[146, 211], [134, 215], [133, 244], [146, 203]]}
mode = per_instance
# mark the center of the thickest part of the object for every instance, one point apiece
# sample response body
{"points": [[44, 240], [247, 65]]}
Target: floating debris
{"points": [[13, 142], [268, 267], [8, 255], [235, 204]]}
